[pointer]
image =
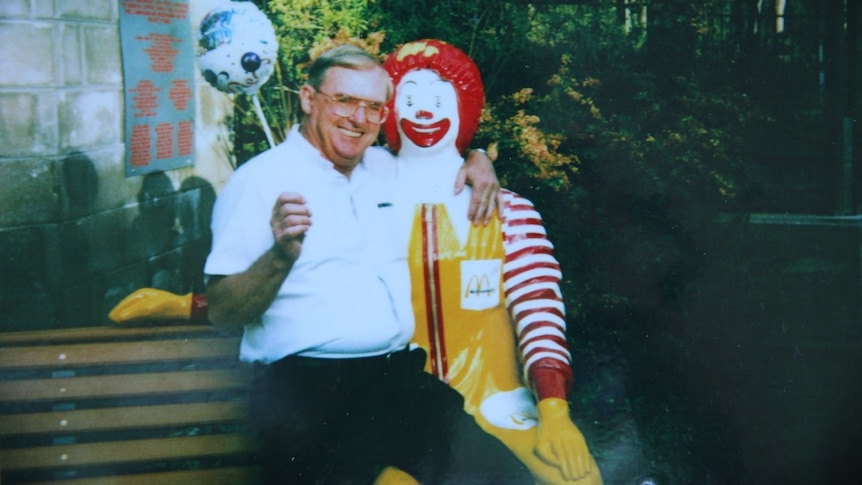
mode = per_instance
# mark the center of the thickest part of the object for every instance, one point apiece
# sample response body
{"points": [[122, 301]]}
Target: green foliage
{"points": [[535, 150], [584, 114], [596, 123], [490, 32], [303, 28]]}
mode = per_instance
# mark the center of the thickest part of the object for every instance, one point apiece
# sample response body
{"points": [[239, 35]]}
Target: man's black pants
{"points": [[341, 421]]}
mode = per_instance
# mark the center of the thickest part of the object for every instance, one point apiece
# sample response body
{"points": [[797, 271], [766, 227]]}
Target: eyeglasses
{"points": [[344, 106]]}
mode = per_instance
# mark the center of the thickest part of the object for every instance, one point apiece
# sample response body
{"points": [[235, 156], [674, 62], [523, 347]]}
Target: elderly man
{"points": [[303, 258]]}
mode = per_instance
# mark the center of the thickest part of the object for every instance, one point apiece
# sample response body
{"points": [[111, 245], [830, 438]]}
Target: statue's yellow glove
{"points": [[559, 442], [152, 304], [394, 476]]}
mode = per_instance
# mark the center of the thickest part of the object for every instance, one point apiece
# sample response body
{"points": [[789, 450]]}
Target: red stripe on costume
{"points": [[433, 302], [537, 325], [525, 221], [563, 357], [527, 340], [529, 334], [551, 381], [520, 204], [521, 236], [543, 293], [529, 250], [537, 256], [550, 311]]}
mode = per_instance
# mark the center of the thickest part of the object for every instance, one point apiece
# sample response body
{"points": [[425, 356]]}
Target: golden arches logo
{"points": [[478, 286]]}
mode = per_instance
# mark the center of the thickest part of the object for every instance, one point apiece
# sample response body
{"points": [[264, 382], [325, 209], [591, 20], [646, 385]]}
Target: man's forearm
{"points": [[243, 297]]}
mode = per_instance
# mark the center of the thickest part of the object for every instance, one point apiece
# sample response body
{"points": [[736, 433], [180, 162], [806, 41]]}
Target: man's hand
{"points": [[478, 172], [559, 442], [236, 299], [289, 222]]}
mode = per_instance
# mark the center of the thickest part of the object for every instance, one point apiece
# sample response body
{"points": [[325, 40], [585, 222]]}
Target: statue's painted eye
{"points": [[409, 100], [437, 101]]}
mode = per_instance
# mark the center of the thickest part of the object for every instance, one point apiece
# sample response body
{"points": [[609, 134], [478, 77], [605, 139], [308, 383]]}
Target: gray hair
{"points": [[346, 56]]}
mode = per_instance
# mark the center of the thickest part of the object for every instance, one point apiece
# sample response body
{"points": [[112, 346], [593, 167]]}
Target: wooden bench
{"points": [[136, 405]]}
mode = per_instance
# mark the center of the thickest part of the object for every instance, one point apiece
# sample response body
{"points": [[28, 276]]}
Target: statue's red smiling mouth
{"points": [[425, 135]]}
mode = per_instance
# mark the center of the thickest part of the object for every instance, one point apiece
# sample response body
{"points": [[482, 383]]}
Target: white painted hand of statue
{"points": [[478, 172], [289, 222]]}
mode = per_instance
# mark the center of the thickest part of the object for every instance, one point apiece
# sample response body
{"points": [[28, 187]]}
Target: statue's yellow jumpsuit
{"points": [[485, 310]]}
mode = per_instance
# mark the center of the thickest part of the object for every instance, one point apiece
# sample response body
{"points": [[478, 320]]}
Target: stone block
{"points": [[90, 119], [28, 51], [195, 210], [43, 9], [86, 9], [166, 272], [92, 245], [154, 230], [32, 311], [212, 104], [94, 181], [26, 262], [15, 9], [214, 158], [28, 192], [29, 125], [77, 306], [73, 74], [79, 181], [102, 55], [192, 265], [116, 189]]}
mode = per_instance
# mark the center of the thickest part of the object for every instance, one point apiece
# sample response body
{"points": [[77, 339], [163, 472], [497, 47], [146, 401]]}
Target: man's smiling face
{"points": [[343, 139]]}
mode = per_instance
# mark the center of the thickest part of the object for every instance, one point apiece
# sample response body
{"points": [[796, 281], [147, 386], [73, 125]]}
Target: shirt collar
{"points": [[306, 151]]}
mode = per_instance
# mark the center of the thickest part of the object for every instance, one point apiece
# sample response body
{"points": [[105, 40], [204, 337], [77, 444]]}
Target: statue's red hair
{"points": [[452, 65]]}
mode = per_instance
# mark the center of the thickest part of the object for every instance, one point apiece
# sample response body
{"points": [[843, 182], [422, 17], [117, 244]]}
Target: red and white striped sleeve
{"points": [[531, 281]]}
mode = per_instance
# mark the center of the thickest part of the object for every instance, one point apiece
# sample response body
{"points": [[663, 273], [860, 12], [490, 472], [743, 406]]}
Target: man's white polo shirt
{"points": [[348, 294]]}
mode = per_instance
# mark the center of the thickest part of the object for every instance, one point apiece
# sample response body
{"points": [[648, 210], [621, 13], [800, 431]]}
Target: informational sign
{"points": [[158, 68]]}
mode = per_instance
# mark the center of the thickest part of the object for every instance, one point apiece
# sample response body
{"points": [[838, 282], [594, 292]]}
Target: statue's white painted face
{"points": [[426, 107]]}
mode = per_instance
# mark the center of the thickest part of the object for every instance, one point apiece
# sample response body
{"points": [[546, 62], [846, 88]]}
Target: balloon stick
{"points": [[259, 112]]}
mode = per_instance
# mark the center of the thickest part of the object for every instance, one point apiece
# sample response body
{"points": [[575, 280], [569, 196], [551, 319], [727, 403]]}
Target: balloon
{"points": [[237, 48]]}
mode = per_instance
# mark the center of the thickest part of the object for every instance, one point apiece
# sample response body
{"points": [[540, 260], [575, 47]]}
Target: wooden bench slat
{"points": [[149, 380], [117, 353], [129, 451], [220, 476], [132, 417], [124, 385], [107, 333]]}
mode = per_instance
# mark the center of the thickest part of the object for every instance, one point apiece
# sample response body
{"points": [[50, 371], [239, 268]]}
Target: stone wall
{"points": [[77, 235]]}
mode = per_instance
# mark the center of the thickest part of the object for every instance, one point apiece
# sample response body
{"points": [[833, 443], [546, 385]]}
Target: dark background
{"points": [[698, 168]]}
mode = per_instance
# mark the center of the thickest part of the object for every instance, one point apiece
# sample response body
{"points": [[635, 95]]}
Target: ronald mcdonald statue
{"points": [[487, 299]]}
